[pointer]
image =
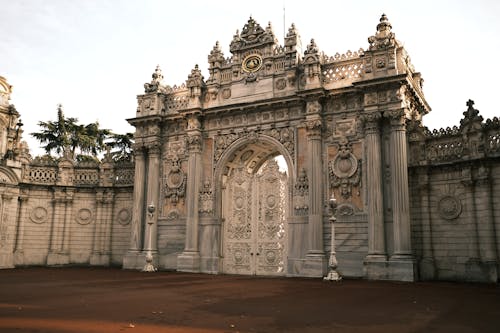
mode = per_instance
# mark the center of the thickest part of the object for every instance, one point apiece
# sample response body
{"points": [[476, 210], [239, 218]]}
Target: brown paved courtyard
{"points": [[113, 300]]}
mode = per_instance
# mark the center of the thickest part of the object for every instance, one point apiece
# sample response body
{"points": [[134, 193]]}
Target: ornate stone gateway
{"points": [[204, 160], [254, 226]]}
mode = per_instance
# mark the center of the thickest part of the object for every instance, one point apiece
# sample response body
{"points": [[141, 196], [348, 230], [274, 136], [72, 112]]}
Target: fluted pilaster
{"points": [[376, 233], [189, 260], [399, 184], [316, 259], [138, 200]]}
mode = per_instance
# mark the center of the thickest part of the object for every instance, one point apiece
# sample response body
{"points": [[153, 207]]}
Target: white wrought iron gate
{"points": [[254, 227]]}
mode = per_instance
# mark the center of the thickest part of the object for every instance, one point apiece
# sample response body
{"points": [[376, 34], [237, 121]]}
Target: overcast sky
{"points": [[94, 56]]}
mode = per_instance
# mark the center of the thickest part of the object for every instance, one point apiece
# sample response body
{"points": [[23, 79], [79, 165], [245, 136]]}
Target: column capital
{"points": [[314, 126], [154, 149], [371, 122], [138, 150], [396, 117], [194, 141]]}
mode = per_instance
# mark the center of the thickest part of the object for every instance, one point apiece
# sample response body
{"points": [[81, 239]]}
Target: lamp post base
{"points": [[332, 276], [149, 263]]}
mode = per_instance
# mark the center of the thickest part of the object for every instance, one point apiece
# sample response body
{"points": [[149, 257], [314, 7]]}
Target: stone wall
{"points": [[59, 212], [454, 185]]}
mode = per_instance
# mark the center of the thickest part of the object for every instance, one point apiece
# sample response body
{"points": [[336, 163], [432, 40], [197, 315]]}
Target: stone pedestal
{"points": [[375, 267], [133, 260], [402, 268], [188, 262], [99, 259], [6, 260], [427, 269], [315, 265], [57, 259], [19, 258]]}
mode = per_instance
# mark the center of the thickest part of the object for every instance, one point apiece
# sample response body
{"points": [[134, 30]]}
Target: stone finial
{"points": [[195, 79], [292, 31], [384, 37], [216, 54], [472, 119], [292, 37], [251, 35], [312, 48], [251, 30], [157, 78]]}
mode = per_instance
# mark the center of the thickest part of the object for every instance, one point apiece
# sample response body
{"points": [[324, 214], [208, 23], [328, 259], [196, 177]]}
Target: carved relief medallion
{"points": [[226, 93], [39, 215], [124, 216], [84, 216], [449, 207], [280, 84]]}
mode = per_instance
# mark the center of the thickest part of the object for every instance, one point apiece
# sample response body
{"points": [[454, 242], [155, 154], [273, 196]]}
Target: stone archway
{"points": [[254, 201]]}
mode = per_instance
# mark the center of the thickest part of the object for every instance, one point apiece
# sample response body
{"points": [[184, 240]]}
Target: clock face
{"points": [[252, 63]]}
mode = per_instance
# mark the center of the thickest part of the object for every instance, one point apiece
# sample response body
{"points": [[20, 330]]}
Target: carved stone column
{"points": [[427, 266], [376, 259], [153, 190], [6, 245], [316, 259], [402, 265], [56, 255], [109, 201], [96, 250], [485, 225], [138, 209], [19, 249], [189, 260], [101, 253], [68, 217]]}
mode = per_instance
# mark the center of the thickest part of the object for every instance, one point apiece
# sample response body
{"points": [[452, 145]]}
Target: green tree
{"points": [[55, 134], [66, 134], [121, 145]]}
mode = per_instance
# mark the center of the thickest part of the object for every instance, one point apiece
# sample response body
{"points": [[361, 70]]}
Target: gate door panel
{"points": [[270, 187], [238, 234], [254, 228]]}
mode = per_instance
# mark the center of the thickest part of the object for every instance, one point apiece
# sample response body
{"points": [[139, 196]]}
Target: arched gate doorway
{"points": [[254, 212]]}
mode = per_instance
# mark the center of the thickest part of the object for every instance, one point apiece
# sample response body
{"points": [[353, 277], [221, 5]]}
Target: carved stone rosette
{"points": [[344, 170]]}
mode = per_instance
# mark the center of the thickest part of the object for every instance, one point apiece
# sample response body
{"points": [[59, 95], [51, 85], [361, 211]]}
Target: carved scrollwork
{"points": [[345, 170], [301, 193], [175, 182], [206, 199], [285, 136], [194, 141], [313, 107], [314, 127]]}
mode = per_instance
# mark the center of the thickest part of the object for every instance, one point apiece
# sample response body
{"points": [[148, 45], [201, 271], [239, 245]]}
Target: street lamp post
{"points": [[333, 275], [149, 267]]}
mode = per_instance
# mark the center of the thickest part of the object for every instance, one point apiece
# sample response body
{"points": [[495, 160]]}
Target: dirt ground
{"points": [[114, 300]]}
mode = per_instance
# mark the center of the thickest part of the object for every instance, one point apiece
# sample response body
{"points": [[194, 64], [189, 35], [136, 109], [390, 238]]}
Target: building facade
{"points": [[233, 174]]}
